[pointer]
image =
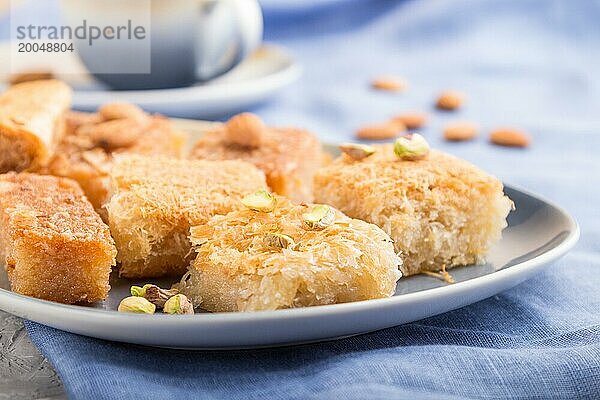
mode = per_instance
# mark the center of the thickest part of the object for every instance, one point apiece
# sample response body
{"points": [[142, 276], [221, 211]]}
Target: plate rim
{"points": [[322, 310]]}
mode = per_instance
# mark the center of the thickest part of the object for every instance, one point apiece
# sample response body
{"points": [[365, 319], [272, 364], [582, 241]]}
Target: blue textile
{"points": [[532, 64]]}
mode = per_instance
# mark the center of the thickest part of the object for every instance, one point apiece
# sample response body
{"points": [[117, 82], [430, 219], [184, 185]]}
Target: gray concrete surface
{"points": [[24, 373]]}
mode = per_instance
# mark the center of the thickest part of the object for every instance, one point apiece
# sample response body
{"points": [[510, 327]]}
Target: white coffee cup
{"points": [[190, 40]]}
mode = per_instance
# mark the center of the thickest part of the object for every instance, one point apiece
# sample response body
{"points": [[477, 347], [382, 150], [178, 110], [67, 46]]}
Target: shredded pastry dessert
{"points": [[31, 123], [439, 210], [289, 157], [92, 140], [156, 200], [291, 256]]}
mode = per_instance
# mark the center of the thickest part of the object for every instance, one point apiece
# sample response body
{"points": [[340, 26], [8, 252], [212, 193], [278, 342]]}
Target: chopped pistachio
{"points": [[320, 217], [357, 151], [159, 296], [178, 304], [154, 294], [136, 304], [411, 147], [139, 291], [261, 200], [279, 240]]}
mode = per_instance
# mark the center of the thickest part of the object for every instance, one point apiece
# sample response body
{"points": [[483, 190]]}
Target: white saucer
{"points": [[256, 79]]}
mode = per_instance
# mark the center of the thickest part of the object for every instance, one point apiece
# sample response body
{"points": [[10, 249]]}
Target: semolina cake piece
{"points": [[440, 211], [31, 123], [289, 157], [156, 200], [251, 260], [92, 139], [55, 245]]}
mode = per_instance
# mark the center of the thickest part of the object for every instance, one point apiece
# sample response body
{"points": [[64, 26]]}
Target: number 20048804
{"points": [[48, 47]]}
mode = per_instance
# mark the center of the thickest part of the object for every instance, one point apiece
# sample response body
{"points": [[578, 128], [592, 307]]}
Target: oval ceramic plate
{"points": [[538, 233], [268, 70]]}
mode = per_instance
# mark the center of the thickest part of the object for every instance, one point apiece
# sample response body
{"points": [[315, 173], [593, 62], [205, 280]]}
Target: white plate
{"points": [[538, 233], [262, 75]]}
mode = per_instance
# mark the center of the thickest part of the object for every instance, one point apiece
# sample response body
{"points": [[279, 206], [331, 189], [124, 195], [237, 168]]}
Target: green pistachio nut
{"points": [[136, 304], [140, 290], [357, 151], [178, 304], [261, 200], [320, 217], [279, 241], [411, 147]]}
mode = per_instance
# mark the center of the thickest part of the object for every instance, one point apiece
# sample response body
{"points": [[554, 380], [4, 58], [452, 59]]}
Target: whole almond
{"points": [[450, 100], [460, 131], [389, 83], [120, 110], [510, 137], [412, 120], [113, 134], [245, 129], [387, 130], [76, 119]]}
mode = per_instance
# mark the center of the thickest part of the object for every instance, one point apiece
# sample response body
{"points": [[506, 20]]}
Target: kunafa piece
{"points": [[267, 258], [289, 157], [440, 211], [31, 123], [93, 139], [155, 201], [55, 245]]}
